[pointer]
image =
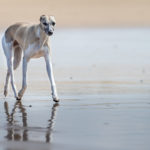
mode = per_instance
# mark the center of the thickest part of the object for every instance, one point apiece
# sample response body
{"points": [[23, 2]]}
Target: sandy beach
{"points": [[78, 13], [101, 60], [103, 81]]}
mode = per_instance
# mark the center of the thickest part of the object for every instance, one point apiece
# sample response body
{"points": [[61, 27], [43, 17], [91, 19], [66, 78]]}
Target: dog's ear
{"points": [[42, 18], [52, 18]]}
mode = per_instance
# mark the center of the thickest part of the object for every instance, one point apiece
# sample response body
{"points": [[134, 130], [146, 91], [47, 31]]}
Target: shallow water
{"points": [[103, 80]]}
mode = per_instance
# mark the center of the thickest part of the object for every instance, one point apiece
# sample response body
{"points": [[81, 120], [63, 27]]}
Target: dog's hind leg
{"points": [[7, 54], [16, 61], [11, 72], [8, 49], [6, 83]]}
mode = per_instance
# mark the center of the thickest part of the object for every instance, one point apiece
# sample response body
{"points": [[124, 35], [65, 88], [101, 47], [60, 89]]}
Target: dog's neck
{"points": [[43, 37]]}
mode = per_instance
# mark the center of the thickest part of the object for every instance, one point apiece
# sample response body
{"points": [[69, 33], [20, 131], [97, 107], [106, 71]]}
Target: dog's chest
{"points": [[35, 51]]}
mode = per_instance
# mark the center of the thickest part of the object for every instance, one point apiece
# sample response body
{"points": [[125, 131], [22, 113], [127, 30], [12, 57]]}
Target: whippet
{"points": [[33, 41]]}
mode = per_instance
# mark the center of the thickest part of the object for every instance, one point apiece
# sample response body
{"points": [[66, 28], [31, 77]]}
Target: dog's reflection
{"points": [[20, 133]]}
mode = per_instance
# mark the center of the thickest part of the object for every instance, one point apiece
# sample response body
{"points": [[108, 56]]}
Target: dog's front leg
{"points": [[24, 83], [51, 77]]}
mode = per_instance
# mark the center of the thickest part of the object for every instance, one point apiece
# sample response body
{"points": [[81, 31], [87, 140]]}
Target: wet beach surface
{"points": [[103, 81]]}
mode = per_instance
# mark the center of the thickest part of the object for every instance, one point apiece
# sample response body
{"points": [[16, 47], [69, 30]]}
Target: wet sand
{"points": [[103, 80]]}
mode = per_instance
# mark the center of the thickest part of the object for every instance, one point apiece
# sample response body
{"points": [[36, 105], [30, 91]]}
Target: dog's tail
{"points": [[17, 56]]}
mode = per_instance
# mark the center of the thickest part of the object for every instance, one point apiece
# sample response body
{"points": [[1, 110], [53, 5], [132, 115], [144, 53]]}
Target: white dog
{"points": [[33, 41]]}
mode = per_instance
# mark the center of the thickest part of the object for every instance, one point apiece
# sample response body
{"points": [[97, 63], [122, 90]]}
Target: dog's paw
{"points": [[18, 98], [5, 93], [19, 95], [55, 99]]}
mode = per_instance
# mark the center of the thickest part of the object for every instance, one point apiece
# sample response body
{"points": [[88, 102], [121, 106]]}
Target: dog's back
{"points": [[9, 33], [18, 32]]}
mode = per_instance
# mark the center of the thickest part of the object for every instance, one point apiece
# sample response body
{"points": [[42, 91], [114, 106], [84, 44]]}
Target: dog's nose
{"points": [[50, 33]]}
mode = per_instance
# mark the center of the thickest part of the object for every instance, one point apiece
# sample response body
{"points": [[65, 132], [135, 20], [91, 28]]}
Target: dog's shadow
{"points": [[21, 133]]}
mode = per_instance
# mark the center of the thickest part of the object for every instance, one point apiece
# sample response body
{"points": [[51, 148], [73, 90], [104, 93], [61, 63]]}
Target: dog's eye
{"points": [[53, 23], [45, 24]]}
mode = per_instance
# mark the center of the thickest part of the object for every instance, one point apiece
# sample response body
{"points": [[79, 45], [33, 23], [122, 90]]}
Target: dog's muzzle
{"points": [[50, 33], [49, 30]]}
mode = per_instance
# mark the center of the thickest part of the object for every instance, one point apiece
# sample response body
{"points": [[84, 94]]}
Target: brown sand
{"points": [[77, 13]]}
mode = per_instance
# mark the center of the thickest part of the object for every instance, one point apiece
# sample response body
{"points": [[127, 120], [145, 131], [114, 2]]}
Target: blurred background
{"points": [[78, 13]]}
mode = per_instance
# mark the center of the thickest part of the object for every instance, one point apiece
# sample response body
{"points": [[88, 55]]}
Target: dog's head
{"points": [[47, 24]]}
